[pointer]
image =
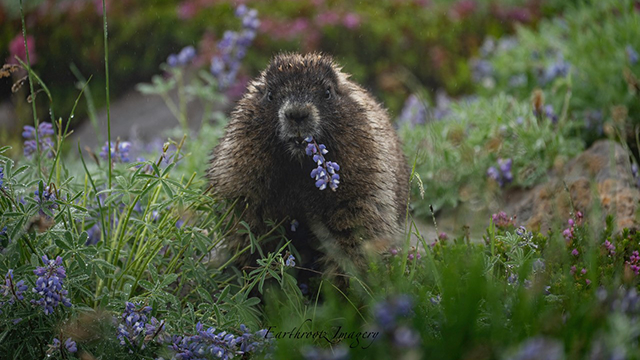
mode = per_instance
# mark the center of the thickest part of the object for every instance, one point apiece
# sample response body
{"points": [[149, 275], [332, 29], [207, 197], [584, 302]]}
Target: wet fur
{"points": [[254, 162]]}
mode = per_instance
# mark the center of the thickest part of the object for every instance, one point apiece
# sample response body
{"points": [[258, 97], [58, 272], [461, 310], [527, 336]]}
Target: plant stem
{"points": [[33, 98]]}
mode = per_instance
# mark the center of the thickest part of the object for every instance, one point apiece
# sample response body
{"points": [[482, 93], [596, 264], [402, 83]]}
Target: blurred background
{"points": [[392, 47]]}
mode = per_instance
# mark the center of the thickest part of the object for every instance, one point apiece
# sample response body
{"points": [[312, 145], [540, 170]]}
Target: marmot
{"points": [[262, 160]]}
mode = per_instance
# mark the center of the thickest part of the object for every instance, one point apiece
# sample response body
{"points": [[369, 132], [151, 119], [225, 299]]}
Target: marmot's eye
{"points": [[269, 96], [327, 94]]}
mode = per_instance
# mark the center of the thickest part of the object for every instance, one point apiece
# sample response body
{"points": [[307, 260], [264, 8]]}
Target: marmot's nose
{"points": [[297, 115]]}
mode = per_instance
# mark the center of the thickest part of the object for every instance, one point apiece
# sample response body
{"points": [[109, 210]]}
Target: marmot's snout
{"points": [[297, 120]]}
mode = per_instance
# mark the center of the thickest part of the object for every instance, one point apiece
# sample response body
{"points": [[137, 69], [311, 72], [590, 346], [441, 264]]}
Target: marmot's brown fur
{"points": [[261, 160]]}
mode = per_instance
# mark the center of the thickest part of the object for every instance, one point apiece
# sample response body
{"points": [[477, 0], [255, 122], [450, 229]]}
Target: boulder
{"points": [[600, 177]]}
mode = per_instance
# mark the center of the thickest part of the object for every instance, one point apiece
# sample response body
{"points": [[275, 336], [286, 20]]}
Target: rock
{"points": [[601, 173]]}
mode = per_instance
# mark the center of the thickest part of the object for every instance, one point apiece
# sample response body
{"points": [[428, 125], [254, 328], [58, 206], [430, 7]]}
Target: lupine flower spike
{"points": [[326, 172]]}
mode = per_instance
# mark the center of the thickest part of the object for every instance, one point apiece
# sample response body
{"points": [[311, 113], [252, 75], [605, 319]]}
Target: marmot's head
{"points": [[302, 94]]}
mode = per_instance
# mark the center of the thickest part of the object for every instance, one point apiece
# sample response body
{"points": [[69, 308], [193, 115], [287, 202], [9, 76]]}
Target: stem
{"points": [[106, 72], [33, 98]]}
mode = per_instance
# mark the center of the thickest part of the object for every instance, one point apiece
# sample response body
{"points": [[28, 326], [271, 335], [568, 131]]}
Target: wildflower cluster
{"points": [[44, 132], [501, 220], [557, 69], [325, 168], [482, 71], [502, 174], [634, 262], [119, 151], [49, 285], [1, 177], [233, 47], [207, 344], [386, 315], [134, 325], [184, 57], [11, 291], [569, 232], [611, 249], [69, 345]]}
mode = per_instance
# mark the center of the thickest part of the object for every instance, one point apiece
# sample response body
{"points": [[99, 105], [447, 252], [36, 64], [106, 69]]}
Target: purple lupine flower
{"points": [[45, 131], [1, 177], [501, 174], [220, 345], [184, 57], [414, 111], [119, 151], [49, 285], [575, 252], [559, 68], [573, 270], [46, 201], [481, 70], [405, 337], [132, 325], [294, 225], [386, 313], [70, 345], [11, 291], [291, 261], [233, 47], [634, 262], [538, 348], [632, 54], [325, 168]]}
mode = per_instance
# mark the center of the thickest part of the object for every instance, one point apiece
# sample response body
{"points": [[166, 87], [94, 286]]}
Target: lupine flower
{"points": [[573, 270], [502, 174], [184, 57], [386, 313], [405, 337], [538, 348], [443, 236], [45, 131], [46, 201], [559, 68], [326, 172], [632, 54], [93, 235], [575, 252], [10, 291], [133, 324], [233, 47], [481, 70], [291, 261], [69, 345], [550, 114], [414, 111], [119, 151], [1, 176], [294, 225], [222, 345], [49, 285]]}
